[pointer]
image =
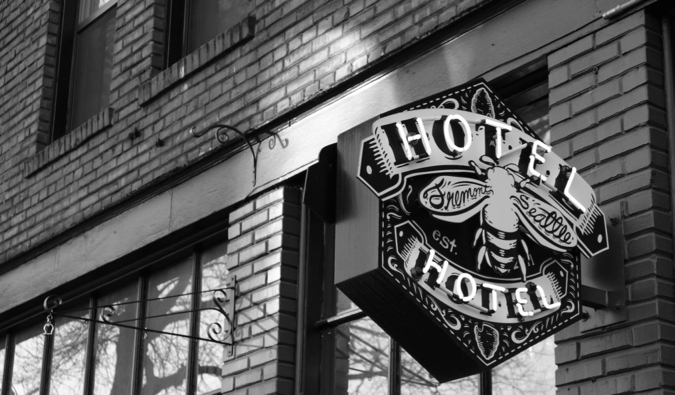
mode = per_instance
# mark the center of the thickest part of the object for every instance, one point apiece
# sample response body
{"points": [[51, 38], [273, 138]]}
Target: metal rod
{"points": [[149, 300], [345, 316], [620, 9], [142, 329]]}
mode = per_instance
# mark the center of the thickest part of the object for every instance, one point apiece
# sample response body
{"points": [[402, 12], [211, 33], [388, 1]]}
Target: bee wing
{"points": [[454, 199], [546, 224]]}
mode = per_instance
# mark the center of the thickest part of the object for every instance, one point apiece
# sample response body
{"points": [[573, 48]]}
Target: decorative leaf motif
{"points": [[482, 104], [487, 338]]}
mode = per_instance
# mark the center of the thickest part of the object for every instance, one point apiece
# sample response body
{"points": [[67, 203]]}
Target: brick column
{"points": [[608, 119], [263, 254]]}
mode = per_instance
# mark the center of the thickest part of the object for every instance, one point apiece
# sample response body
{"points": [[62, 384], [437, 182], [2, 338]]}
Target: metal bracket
{"points": [[603, 284], [222, 137], [223, 298]]}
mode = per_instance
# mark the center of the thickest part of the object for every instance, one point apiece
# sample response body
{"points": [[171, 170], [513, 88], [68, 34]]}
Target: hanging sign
{"points": [[480, 222]]}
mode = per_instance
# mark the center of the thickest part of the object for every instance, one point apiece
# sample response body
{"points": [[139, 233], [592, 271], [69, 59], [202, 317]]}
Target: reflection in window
{"points": [[69, 355], [361, 358], [115, 345], [2, 360], [415, 380], [28, 349], [165, 356], [210, 355], [530, 372]]}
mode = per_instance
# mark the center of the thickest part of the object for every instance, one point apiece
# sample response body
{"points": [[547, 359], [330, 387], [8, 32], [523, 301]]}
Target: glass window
{"points": [[530, 372], [139, 336], [193, 23], [69, 356], [210, 355], [415, 380], [3, 342], [84, 66], [27, 367], [168, 310], [361, 358], [207, 19], [114, 345], [92, 69]]}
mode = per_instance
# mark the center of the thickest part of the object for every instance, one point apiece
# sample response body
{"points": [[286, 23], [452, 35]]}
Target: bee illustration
{"points": [[507, 211]]}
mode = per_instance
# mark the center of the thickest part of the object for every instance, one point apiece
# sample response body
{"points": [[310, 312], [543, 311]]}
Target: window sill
{"points": [[66, 144], [197, 60]]}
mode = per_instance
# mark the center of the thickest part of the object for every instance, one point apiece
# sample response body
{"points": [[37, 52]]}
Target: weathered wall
{"points": [[289, 53], [608, 116]]}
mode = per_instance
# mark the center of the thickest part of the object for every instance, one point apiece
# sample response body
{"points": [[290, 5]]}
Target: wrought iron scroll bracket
{"points": [[222, 137], [221, 331]]}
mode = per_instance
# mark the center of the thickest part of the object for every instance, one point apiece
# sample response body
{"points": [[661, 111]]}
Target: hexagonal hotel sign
{"points": [[478, 227]]}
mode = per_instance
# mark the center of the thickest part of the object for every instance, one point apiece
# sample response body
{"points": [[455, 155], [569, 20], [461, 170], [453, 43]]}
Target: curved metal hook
{"points": [[223, 138], [51, 302]]}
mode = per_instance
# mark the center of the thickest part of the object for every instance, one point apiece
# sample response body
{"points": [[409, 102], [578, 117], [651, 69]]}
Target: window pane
{"points": [[92, 69], [2, 359], [113, 370], [207, 19], [361, 359], [89, 7], [29, 345], [343, 303], [530, 372], [68, 358], [165, 357], [415, 380], [210, 355]]}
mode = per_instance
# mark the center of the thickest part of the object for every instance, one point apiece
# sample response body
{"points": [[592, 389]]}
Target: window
{"points": [[84, 62], [193, 23], [83, 357]]}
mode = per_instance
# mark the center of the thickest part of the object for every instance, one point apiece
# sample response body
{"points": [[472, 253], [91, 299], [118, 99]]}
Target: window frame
{"points": [[64, 79]]}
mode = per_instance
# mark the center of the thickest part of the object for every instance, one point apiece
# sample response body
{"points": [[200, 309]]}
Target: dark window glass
{"points": [[69, 356], [165, 357], [115, 345], [27, 367], [211, 355], [193, 23], [207, 19], [84, 66], [92, 69]]}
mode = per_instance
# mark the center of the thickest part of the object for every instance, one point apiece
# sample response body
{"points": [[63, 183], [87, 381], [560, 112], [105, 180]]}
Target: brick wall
{"points": [[289, 53], [608, 119], [263, 255]]}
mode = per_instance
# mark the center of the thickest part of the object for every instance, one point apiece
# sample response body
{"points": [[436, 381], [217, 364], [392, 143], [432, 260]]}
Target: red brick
{"points": [[648, 244], [611, 385], [569, 52], [558, 76], [595, 96], [645, 334], [583, 370], [595, 58], [250, 377], [620, 27]]}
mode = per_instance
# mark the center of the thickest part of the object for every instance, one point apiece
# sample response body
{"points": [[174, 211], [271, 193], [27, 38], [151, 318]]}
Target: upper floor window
{"points": [[84, 62], [192, 23]]}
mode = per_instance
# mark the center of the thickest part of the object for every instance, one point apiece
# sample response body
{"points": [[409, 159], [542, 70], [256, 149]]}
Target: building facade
{"points": [[169, 167]]}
